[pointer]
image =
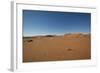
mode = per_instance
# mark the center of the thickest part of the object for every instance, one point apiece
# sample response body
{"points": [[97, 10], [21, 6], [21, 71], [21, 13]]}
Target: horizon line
{"points": [[55, 34]]}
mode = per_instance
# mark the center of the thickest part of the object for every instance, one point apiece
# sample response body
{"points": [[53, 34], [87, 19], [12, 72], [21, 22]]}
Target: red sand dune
{"points": [[53, 48]]}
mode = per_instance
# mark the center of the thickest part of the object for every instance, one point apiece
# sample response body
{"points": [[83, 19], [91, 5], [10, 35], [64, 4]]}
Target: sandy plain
{"points": [[74, 46]]}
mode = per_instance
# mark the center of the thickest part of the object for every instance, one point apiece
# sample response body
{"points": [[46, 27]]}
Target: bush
{"points": [[49, 35], [30, 40]]}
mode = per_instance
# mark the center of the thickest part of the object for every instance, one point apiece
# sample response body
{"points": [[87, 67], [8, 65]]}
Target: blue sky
{"points": [[50, 22]]}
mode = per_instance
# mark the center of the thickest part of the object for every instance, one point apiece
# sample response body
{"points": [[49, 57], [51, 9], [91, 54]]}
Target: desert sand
{"points": [[74, 46]]}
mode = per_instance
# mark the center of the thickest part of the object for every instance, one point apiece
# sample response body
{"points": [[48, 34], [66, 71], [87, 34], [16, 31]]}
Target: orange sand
{"points": [[56, 48]]}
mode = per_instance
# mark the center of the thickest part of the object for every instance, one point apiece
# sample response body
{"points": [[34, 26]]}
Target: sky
{"points": [[54, 23]]}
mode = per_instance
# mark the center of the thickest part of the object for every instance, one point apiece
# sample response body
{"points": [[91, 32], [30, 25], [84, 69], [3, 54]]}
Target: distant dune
{"points": [[72, 46]]}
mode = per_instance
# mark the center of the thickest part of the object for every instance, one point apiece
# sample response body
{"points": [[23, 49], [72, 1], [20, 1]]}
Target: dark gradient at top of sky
{"points": [[51, 22]]}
